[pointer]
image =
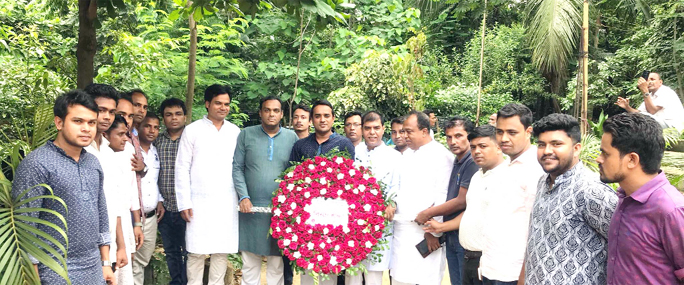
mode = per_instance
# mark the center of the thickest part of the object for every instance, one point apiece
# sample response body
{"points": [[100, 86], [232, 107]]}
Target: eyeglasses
{"points": [[356, 125]]}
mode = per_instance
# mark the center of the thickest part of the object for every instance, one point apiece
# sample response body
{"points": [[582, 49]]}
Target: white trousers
{"points": [[217, 269], [251, 269], [143, 255], [395, 282], [372, 278], [124, 275], [308, 280]]}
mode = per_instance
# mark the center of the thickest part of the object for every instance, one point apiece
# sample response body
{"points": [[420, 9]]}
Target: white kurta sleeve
{"points": [[182, 170], [442, 170]]}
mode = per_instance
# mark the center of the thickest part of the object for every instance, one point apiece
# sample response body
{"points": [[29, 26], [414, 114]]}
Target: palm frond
{"points": [[671, 136], [43, 126], [20, 238], [553, 29], [591, 146]]}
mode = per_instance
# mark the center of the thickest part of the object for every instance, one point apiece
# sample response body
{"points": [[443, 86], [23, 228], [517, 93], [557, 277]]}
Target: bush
{"points": [[461, 100]]}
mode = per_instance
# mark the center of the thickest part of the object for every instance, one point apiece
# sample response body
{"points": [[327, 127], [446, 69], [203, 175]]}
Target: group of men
{"points": [[495, 207]]}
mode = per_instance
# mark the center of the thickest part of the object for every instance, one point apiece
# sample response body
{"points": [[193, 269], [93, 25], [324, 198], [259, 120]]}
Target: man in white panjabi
{"points": [[423, 182], [204, 188], [383, 161]]}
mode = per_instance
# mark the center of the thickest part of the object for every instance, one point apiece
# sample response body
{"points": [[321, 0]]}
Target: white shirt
{"points": [[506, 221], [470, 229], [383, 162], [423, 182], [204, 171], [672, 112], [148, 183]]}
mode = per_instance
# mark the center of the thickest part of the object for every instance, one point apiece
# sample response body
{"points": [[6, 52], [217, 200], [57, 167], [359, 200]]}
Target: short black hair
{"points": [[428, 112], [352, 114], [422, 119], [460, 121], [303, 107], [96, 90], [269, 98], [516, 109], [372, 116], [136, 90], [118, 120], [398, 120], [127, 97], [151, 115], [172, 102], [71, 98], [638, 133], [215, 90], [559, 122], [484, 131], [322, 102]]}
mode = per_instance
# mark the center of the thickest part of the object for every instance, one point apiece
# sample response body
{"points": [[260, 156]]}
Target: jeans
{"points": [[486, 281], [470, 276], [287, 271], [172, 230], [454, 256]]}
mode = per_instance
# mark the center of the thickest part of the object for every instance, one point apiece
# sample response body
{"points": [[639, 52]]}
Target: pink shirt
{"points": [[646, 236]]}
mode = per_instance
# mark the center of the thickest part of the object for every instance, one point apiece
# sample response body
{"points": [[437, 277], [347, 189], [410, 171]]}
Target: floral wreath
{"points": [[328, 215]]}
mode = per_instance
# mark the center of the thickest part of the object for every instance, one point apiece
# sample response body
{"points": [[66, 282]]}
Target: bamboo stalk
{"points": [[479, 87]]}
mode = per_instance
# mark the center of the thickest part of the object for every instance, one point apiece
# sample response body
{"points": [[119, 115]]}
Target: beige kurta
{"points": [[204, 184]]}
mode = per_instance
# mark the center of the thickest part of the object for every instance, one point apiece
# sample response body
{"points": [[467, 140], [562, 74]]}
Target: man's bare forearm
{"points": [[449, 207]]}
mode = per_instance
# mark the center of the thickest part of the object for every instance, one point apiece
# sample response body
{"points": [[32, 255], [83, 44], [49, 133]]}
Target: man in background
{"points": [[397, 134], [352, 128], [660, 102], [301, 122]]}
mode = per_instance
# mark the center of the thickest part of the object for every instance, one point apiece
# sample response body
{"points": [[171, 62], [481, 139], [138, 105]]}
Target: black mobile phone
{"points": [[645, 74], [422, 246], [113, 267]]}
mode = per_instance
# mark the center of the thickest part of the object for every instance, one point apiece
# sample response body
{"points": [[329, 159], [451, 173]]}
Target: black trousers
{"points": [[470, 265]]}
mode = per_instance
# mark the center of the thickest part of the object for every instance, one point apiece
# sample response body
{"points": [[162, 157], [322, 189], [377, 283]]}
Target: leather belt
{"points": [[472, 254], [150, 214]]}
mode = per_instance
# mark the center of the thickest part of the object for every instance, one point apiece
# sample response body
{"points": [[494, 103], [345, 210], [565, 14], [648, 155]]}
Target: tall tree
{"points": [[87, 42]]}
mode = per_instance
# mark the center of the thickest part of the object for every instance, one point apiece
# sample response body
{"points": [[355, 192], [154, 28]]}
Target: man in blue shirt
{"points": [[76, 177], [323, 139]]}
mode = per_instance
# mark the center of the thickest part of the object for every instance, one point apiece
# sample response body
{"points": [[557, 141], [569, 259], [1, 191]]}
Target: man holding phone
{"points": [[660, 102]]}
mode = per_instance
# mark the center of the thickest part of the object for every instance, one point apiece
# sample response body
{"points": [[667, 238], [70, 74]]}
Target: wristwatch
{"points": [[106, 263]]}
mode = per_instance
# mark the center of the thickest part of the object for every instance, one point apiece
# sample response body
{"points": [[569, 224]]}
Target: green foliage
{"points": [[597, 128], [20, 238], [461, 99]]}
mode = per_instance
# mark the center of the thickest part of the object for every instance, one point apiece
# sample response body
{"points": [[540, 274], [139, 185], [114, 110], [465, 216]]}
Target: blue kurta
{"points": [[79, 184], [259, 160]]}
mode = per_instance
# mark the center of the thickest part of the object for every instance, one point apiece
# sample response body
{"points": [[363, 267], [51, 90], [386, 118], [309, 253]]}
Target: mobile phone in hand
{"points": [[645, 74]]}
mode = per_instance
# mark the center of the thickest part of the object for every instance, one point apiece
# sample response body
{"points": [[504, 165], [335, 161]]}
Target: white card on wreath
{"points": [[324, 211]]}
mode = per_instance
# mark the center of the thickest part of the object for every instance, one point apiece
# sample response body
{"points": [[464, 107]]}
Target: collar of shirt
{"points": [[134, 131], [527, 157], [463, 160], [564, 178], [206, 120], [312, 137], [494, 170], [51, 144], [280, 129], [168, 136], [644, 192]]}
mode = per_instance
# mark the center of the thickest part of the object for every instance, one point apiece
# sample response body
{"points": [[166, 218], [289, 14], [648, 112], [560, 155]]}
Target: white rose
{"points": [[290, 174], [325, 231], [307, 180], [379, 213], [288, 230], [329, 170], [362, 187], [374, 192], [377, 228], [365, 208], [349, 260], [369, 244], [310, 266], [365, 230], [290, 187], [281, 198], [322, 245], [286, 242], [366, 176], [352, 206], [347, 187], [361, 222], [352, 172], [340, 176], [297, 254], [339, 192], [323, 163], [307, 195], [339, 160], [337, 247], [289, 212], [323, 191], [311, 166], [294, 238], [299, 188], [320, 257], [277, 212], [323, 180], [310, 245], [345, 229], [310, 231], [299, 220], [333, 260], [356, 191], [350, 243], [277, 229]]}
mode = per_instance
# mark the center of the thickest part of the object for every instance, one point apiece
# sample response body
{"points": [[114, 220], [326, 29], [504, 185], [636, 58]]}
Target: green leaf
{"points": [[175, 14], [281, 54]]}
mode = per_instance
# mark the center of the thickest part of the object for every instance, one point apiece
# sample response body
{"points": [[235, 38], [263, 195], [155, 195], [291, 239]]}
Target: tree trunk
{"points": [[479, 86], [87, 42], [192, 62], [584, 43], [598, 28]]}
